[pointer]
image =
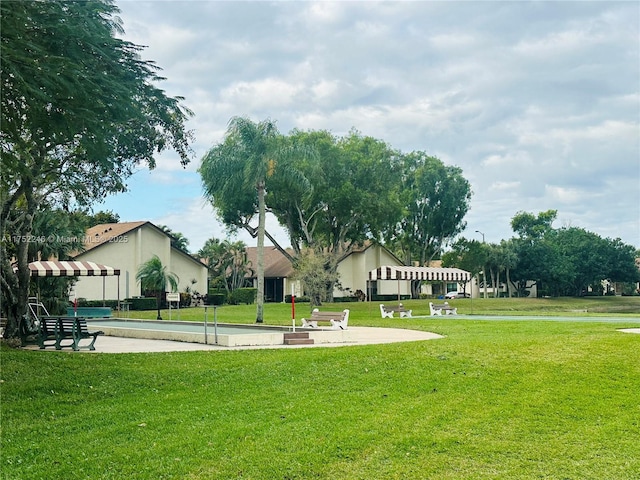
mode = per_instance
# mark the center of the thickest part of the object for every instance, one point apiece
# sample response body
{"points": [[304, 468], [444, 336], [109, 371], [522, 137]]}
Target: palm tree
{"points": [[152, 275], [178, 240], [227, 262], [235, 173]]}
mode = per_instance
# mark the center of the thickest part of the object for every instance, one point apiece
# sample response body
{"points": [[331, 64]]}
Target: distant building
{"points": [[128, 245], [277, 272], [353, 269]]}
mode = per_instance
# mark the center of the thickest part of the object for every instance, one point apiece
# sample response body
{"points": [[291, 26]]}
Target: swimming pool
{"points": [[223, 334]]}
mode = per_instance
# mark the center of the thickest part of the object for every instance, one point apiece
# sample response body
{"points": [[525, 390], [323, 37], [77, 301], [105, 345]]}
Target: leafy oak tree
{"points": [[353, 197], [436, 199], [567, 261], [79, 113], [469, 255]]}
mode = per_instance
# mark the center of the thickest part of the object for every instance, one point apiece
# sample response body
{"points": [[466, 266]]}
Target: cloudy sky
{"points": [[537, 102]]}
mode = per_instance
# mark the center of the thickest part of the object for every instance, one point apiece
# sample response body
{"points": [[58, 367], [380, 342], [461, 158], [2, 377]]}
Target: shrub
{"points": [[185, 299], [216, 298], [83, 302], [287, 299], [345, 299], [143, 303], [243, 295]]}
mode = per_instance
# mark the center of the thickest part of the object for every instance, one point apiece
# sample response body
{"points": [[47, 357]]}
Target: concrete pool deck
{"points": [[112, 342], [357, 336]]}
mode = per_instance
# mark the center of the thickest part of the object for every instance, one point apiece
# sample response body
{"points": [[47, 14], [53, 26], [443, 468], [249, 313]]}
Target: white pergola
{"points": [[62, 268], [428, 274], [71, 269]]}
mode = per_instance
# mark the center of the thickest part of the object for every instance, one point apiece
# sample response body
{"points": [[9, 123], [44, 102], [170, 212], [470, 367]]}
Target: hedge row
{"points": [[236, 297]]}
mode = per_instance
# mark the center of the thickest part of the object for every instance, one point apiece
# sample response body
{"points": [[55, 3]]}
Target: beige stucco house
{"points": [[277, 273], [126, 246], [354, 272]]}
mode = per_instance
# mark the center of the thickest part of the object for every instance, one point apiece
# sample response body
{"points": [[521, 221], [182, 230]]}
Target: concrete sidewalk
{"points": [[359, 336]]}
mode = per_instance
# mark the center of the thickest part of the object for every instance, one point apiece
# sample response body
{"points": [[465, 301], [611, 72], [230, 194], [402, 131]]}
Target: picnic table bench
{"points": [[338, 320], [444, 309], [387, 312], [56, 331]]}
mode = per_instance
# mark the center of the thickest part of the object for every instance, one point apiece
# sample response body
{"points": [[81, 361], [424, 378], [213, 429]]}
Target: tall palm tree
{"points": [[235, 174], [152, 275]]}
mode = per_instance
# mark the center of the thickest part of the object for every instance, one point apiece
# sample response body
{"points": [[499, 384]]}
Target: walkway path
{"points": [[360, 336]]}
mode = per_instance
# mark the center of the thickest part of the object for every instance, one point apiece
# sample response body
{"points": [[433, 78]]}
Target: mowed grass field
{"points": [[495, 399]]}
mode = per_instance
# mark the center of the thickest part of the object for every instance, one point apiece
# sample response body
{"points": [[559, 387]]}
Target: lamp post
{"points": [[478, 231]]}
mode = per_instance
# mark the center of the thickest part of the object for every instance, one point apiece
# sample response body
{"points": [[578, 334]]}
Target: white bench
{"points": [[338, 320], [387, 312], [444, 309]]}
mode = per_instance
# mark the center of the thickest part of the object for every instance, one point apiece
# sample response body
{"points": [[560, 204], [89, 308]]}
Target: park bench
{"points": [[66, 332], [444, 309], [48, 335], [338, 320], [387, 312]]}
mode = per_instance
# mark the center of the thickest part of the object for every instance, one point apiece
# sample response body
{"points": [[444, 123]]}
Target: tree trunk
{"points": [[415, 288], [158, 301], [484, 278], [260, 270], [15, 286], [493, 281]]}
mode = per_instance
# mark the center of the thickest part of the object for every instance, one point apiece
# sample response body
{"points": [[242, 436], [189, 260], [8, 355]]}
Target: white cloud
{"points": [[537, 102], [263, 94], [196, 220], [564, 195], [505, 186]]}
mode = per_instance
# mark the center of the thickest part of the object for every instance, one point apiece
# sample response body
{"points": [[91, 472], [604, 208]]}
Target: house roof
{"points": [[276, 265], [105, 233], [364, 247], [108, 232]]}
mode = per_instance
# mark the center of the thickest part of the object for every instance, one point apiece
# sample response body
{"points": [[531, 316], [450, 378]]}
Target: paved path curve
{"points": [[359, 335]]}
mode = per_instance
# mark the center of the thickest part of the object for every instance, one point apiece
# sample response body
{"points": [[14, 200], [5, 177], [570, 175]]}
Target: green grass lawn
{"points": [[368, 313], [493, 400]]}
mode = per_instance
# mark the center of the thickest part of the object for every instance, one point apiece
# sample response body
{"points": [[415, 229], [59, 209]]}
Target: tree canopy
{"points": [[566, 261], [80, 111], [436, 199], [235, 174], [227, 263], [335, 193]]}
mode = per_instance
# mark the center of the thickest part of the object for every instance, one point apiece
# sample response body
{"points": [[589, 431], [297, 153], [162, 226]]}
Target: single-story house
{"points": [[354, 274], [126, 246], [277, 273]]}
